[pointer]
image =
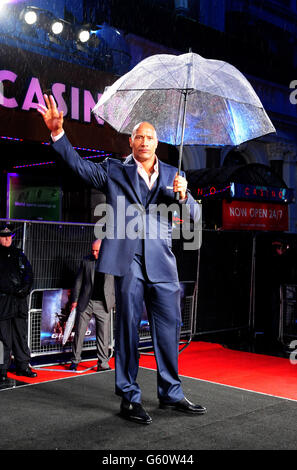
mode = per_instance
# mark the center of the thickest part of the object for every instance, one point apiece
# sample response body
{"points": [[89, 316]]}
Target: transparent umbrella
{"points": [[190, 100]]}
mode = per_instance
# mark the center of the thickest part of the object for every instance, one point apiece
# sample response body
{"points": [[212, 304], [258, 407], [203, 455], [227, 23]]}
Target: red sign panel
{"points": [[243, 215]]}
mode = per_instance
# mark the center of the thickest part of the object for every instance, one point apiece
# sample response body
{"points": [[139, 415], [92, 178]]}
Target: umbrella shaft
{"points": [[183, 131]]}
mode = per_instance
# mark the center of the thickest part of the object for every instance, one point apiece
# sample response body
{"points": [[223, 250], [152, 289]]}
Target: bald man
{"points": [[92, 294], [139, 256]]}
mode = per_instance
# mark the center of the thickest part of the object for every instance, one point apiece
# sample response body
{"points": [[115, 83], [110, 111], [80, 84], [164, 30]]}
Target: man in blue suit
{"points": [[137, 251]]}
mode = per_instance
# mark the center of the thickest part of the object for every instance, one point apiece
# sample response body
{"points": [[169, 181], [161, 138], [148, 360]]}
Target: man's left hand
{"points": [[180, 186]]}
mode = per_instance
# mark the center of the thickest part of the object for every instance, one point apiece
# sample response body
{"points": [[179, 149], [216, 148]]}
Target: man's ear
{"points": [[130, 142]]}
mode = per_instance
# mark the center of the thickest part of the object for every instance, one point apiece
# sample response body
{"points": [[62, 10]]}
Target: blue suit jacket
{"points": [[128, 219]]}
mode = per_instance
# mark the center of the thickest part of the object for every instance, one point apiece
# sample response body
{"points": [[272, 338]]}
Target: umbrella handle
{"points": [[177, 194]]}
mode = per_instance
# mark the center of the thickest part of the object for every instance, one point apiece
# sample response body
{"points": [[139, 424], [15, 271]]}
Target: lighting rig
{"points": [[56, 28]]}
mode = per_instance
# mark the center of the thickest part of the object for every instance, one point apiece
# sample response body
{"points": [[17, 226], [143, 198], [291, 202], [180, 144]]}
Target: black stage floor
{"points": [[82, 413]]}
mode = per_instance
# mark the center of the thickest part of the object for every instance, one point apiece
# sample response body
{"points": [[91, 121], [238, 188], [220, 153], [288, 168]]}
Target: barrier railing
{"points": [[55, 345], [222, 281], [55, 250]]}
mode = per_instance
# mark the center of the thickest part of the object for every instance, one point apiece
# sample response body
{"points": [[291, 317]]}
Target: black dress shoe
{"points": [[184, 405], [100, 368], [6, 382], [73, 366], [26, 372], [134, 412]]}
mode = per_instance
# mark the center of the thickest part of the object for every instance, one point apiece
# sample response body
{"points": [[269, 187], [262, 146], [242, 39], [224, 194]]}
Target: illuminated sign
{"points": [[247, 192], [261, 193], [212, 191], [25, 76], [246, 215], [30, 201], [67, 97]]}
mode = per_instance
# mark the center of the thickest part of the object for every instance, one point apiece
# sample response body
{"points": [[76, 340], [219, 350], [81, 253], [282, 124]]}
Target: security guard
{"points": [[16, 278]]}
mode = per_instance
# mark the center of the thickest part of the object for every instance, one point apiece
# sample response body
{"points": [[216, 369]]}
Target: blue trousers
{"points": [[162, 301]]}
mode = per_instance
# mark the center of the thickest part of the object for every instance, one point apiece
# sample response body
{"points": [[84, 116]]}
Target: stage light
{"points": [[30, 17], [3, 3], [57, 27], [84, 35]]}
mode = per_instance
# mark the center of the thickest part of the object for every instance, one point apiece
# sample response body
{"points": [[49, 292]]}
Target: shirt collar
{"points": [[155, 167]]}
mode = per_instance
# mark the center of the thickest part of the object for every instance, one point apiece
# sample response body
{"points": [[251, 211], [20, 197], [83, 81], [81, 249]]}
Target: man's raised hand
{"points": [[51, 116]]}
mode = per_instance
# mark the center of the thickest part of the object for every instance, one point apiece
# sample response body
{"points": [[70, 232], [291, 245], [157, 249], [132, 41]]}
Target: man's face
{"points": [[95, 249], [6, 241], [143, 142]]}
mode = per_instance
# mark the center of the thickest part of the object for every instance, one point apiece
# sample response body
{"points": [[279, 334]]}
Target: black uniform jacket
{"points": [[16, 278]]}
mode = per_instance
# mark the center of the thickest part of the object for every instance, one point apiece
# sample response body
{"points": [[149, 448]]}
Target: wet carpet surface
{"points": [[82, 413]]}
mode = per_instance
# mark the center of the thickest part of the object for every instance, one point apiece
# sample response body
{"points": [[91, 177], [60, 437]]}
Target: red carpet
{"points": [[56, 372], [210, 362], [215, 363]]}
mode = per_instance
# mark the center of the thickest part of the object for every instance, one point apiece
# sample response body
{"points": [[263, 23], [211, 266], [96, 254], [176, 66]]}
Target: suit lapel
{"points": [[130, 168]]}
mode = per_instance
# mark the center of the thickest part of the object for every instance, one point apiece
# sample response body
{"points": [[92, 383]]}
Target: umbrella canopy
{"points": [[189, 100]]}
